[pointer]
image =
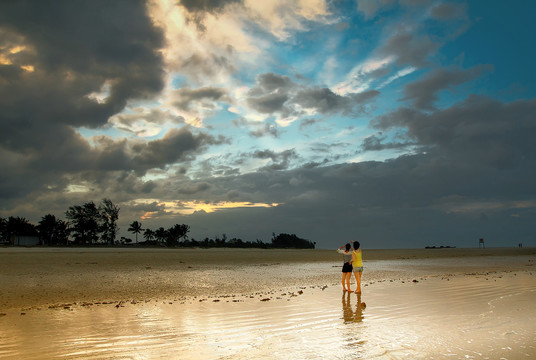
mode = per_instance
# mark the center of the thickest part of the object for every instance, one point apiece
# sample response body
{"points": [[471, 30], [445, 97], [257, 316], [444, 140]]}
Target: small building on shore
{"points": [[25, 240]]}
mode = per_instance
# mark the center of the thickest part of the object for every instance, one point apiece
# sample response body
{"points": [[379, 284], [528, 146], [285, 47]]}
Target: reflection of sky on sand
{"points": [[475, 317]]}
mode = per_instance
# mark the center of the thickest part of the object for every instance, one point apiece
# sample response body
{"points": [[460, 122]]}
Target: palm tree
{"points": [[161, 235], [149, 235], [135, 228]]}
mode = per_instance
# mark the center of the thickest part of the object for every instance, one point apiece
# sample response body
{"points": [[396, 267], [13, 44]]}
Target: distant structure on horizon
{"points": [[440, 247], [481, 244], [27, 240]]}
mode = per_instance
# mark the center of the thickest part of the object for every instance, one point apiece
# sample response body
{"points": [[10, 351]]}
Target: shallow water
{"points": [[459, 317]]}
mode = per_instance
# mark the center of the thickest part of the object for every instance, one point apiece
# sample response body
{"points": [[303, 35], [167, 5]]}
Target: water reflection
{"points": [[496, 319], [351, 313]]}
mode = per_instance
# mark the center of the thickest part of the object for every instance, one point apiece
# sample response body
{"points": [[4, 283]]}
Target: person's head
{"points": [[356, 245], [348, 247]]}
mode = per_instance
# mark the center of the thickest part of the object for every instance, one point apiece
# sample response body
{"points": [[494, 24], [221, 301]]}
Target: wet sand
{"points": [[38, 277], [239, 304]]}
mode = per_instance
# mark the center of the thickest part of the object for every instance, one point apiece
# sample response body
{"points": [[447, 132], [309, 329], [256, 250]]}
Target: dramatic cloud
{"points": [[206, 5], [476, 132], [279, 94], [394, 122], [424, 92], [409, 48], [73, 50]]}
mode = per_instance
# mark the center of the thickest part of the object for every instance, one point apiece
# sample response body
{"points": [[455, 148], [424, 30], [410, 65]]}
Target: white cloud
{"points": [[360, 79], [401, 73], [103, 94], [281, 17]]}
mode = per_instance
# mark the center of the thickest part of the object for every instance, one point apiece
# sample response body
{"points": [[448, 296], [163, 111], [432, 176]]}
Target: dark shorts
{"points": [[347, 268]]}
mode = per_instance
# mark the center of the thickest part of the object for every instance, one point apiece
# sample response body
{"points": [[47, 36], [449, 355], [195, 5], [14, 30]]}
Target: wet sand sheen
{"points": [[457, 308], [464, 317], [39, 277]]}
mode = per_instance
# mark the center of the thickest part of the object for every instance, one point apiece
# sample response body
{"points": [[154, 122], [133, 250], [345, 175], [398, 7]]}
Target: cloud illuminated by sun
{"points": [[191, 207]]}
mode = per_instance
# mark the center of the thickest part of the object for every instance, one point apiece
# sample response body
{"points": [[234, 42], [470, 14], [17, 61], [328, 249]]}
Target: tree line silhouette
{"points": [[91, 224]]}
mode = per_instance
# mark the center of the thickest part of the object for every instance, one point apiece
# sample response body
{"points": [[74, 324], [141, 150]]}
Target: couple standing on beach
{"points": [[353, 262]]}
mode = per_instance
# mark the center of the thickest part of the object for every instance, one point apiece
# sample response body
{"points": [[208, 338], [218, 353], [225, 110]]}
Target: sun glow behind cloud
{"points": [[191, 207]]}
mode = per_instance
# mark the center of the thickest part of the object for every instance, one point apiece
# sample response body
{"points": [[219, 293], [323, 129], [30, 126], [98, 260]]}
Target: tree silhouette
{"points": [[161, 235], [149, 235], [291, 241], [20, 226], [53, 231], [135, 228], [3, 230], [84, 220], [109, 215], [175, 233]]}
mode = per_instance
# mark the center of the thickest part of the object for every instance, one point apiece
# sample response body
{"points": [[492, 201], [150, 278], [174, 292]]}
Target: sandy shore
{"points": [[37, 277], [103, 303]]}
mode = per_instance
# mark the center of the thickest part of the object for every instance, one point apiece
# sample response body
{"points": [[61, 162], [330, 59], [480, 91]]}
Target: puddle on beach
{"points": [[465, 317]]}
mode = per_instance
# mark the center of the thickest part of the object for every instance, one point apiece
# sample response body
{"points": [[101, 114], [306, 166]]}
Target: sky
{"points": [[397, 123]]}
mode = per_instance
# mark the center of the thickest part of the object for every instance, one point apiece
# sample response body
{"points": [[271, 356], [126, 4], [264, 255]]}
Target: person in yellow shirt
{"points": [[357, 264]]}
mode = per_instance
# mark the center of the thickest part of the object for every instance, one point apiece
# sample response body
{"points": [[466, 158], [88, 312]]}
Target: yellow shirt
{"points": [[358, 259]]}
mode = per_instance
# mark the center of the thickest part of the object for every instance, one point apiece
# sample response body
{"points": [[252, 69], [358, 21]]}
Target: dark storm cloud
{"points": [[174, 146], [124, 121], [424, 92], [206, 5], [447, 11], [269, 103], [377, 143], [193, 188], [414, 2], [479, 129], [409, 48], [280, 161], [269, 82], [74, 47], [326, 101], [279, 94], [109, 165], [322, 99], [70, 50], [271, 93], [185, 98]]}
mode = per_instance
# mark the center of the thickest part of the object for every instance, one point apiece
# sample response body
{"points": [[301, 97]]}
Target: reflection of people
{"points": [[346, 267], [357, 264], [350, 315]]}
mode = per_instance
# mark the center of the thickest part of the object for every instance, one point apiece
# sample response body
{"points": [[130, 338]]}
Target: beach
{"points": [[135, 303]]}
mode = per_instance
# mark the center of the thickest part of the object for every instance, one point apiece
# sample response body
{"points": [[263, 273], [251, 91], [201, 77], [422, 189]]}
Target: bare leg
{"points": [[346, 281], [358, 281]]}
